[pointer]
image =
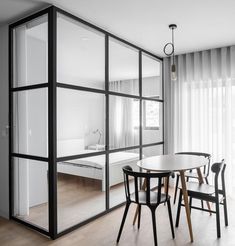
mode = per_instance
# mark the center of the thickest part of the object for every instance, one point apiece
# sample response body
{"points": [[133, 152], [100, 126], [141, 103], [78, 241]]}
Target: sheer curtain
{"points": [[122, 118], [200, 106]]}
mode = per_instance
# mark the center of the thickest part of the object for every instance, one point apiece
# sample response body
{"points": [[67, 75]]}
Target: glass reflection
{"points": [[151, 77], [31, 191], [123, 68], [152, 122], [80, 122], [116, 162], [80, 54], [80, 190], [124, 122], [30, 52]]}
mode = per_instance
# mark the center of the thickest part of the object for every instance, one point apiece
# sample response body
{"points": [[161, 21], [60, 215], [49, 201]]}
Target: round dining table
{"points": [[176, 163]]}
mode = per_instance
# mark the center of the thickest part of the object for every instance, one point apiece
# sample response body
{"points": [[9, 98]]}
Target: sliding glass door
{"points": [[83, 104]]}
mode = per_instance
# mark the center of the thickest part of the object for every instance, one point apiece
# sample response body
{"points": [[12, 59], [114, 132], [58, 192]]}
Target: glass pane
{"points": [[123, 68], [80, 122], [124, 122], [151, 77], [80, 190], [152, 151], [116, 162], [30, 186], [80, 54], [30, 53], [152, 122], [30, 121]]}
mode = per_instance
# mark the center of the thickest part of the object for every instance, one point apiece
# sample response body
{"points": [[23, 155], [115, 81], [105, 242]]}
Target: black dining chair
{"points": [[193, 175], [146, 196], [208, 193]]}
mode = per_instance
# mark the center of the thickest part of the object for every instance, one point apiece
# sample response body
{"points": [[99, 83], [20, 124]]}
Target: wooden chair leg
{"points": [[176, 187], [200, 179], [178, 209], [154, 225], [139, 215], [217, 218], [123, 221], [170, 217]]}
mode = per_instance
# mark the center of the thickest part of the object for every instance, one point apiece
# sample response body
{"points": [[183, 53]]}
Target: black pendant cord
{"points": [[173, 46], [172, 53]]}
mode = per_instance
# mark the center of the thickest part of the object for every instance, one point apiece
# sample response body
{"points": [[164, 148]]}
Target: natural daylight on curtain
{"points": [[201, 114]]}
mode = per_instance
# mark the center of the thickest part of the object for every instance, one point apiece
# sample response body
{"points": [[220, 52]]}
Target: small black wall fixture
{"points": [[171, 52]]}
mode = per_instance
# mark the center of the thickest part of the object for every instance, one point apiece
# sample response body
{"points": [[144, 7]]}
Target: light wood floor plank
{"points": [[103, 231]]}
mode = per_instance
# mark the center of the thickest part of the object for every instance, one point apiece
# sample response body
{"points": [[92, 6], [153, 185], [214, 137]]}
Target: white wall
{"points": [[4, 181]]}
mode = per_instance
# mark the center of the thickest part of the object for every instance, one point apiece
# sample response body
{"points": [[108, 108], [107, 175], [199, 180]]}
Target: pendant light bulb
{"points": [[173, 72], [171, 53]]}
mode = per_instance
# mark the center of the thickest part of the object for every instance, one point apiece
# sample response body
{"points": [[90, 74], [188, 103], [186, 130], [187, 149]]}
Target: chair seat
{"points": [[153, 197], [195, 187], [192, 175]]}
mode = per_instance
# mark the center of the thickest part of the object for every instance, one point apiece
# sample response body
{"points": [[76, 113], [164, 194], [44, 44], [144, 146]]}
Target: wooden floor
{"points": [[78, 200], [103, 231]]}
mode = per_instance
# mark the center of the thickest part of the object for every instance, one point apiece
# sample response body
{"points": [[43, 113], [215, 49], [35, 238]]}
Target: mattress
{"points": [[98, 162]]}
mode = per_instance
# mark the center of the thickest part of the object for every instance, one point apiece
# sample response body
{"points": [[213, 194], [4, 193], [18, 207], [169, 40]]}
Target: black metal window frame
{"points": [[52, 86]]}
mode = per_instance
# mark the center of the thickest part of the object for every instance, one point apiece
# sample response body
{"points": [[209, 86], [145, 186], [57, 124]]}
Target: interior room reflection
{"points": [[81, 117]]}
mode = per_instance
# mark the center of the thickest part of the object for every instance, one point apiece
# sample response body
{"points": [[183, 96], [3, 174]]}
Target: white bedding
{"points": [[99, 161]]}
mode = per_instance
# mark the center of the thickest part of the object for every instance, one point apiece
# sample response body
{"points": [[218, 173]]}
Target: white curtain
{"points": [[200, 106], [123, 132]]}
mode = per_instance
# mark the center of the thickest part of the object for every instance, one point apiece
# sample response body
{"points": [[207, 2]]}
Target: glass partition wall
{"points": [[83, 104]]}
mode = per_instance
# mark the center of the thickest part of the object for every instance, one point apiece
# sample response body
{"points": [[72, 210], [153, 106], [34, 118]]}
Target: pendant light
{"points": [[171, 47]]}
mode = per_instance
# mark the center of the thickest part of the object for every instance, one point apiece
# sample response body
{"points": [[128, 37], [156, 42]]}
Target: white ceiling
{"points": [[202, 24]]}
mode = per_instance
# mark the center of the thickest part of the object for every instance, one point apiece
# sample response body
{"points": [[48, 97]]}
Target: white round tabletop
{"points": [[164, 163]]}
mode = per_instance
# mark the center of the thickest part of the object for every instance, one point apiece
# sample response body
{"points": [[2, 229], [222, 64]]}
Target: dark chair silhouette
{"points": [[191, 174], [147, 197], [208, 193]]}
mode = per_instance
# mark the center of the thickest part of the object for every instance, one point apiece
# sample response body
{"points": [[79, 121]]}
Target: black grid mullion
{"points": [[140, 105], [79, 88], [107, 196], [11, 192], [52, 173], [163, 105], [29, 87], [52, 132]]}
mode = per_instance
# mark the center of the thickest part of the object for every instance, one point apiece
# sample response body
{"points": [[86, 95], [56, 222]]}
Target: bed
{"points": [[93, 167]]}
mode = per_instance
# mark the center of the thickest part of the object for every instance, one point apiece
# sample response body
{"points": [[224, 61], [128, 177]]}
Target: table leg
{"points": [[137, 209], [186, 203], [165, 184], [200, 179]]}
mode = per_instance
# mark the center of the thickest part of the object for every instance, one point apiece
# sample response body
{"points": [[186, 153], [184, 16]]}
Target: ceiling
{"points": [[201, 24]]}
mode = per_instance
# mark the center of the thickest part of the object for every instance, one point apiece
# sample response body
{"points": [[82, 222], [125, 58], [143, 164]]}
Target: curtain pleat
{"points": [[200, 106]]}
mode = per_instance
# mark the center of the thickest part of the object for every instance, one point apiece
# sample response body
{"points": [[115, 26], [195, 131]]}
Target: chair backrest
{"points": [[138, 178], [218, 169], [206, 171]]}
